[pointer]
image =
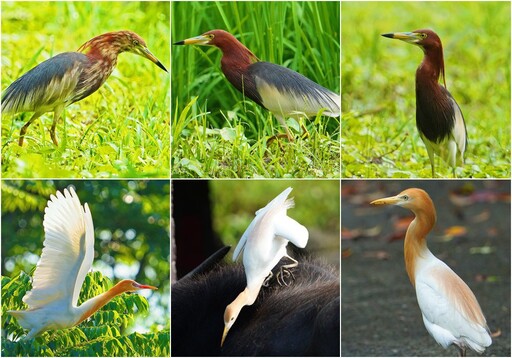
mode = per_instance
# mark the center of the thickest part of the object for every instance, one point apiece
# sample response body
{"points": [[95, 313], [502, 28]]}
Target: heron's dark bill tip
{"points": [[182, 42], [159, 64], [390, 35]]}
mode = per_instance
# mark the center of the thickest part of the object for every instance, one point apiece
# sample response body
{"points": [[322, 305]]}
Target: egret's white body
{"points": [[449, 308], [263, 245], [66, 258]]}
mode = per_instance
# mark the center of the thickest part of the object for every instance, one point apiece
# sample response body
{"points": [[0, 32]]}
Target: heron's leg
{"points": [[23, 129], [56, 116], [430, 152], [462, 351], [287, 130]]}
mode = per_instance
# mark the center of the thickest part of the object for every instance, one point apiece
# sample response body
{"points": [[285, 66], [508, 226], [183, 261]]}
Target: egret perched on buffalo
{"points": [[66, 258], [264, 245], [450, 310], [70, 77], [439, 119], [284, 92]]}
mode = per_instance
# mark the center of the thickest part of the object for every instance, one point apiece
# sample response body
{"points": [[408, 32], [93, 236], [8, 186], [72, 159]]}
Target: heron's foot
{"points": [[305, 131]]}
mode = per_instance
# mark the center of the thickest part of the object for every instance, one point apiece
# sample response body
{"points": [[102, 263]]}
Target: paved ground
{"points": [[380, 315]]}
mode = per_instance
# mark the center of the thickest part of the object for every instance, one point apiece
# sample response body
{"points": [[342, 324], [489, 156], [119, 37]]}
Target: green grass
{"points": [[379, 135], [122, 130], [215, 132]]}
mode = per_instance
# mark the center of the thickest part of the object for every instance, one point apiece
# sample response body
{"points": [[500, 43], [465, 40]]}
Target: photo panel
{"points": [[228, 236], [395, 291], [85, 267]]}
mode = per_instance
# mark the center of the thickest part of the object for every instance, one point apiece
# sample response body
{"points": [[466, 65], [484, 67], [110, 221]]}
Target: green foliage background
{"points": [[215, 132], [131, 220], [378, 99], [119, 131]]}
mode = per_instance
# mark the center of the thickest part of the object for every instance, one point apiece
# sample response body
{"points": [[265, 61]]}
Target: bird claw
{"points": [[283, 274], [267, 280]]}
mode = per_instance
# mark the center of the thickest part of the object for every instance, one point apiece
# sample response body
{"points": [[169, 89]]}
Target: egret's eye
{"points": [[405, 197]]}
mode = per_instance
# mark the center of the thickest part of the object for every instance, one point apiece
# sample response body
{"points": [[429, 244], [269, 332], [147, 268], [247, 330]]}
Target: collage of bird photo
{"points": [[222, 178]]}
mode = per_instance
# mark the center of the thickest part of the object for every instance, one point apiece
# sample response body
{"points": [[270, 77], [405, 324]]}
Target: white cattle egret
{"points": [[450, 310], [264, 244], [67, 257]]}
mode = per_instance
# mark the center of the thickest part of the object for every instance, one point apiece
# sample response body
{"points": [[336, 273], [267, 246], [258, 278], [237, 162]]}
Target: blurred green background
{"points": [[119, 131], [378, 84], [131, 224]]}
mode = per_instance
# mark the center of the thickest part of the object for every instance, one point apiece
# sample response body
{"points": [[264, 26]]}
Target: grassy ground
{"points": [[379, 135], [215, 133], [119, 131]]}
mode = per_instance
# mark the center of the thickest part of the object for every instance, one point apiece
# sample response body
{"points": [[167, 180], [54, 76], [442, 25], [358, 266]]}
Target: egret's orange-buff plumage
{"points": [[450, 310], [67, 257]]}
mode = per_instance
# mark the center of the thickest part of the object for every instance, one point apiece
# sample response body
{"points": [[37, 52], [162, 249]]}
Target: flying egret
{"points": [[66, 258], [450, 310], [264, 244]]}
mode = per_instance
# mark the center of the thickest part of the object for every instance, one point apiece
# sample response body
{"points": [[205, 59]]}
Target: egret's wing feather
{"points": [[89, 253], [446, 301], [64, 252], [292, 231], [278, 200]]}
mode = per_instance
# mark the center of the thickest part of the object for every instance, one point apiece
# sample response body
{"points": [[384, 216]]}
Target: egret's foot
{"points": [[266, 283], [284, 274]]}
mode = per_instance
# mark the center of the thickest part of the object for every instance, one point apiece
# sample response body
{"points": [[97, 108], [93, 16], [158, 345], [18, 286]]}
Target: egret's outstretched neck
{"points": [[415, 243], [90, 306]]}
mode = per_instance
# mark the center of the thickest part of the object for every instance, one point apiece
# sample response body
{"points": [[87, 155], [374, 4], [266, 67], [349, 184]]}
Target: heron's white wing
{"points": [[67, 254], [446, 301], [277, 201], [291, 230]]}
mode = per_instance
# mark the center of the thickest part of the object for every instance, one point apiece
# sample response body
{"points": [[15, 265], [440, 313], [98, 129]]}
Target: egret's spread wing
{"points": [[446, 301], [67, 254], [292, 231], [46, 85], [276, 202], [287, 92]]}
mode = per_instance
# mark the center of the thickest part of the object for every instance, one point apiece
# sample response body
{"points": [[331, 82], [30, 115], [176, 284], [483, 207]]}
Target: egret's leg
{"points": [[25, 127], [267, 280], [285, 271]]}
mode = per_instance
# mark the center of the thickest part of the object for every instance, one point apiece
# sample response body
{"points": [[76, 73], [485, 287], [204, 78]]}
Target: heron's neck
{"points": [[415, 244], [89, 307], [432, 67], [236, 56]]}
